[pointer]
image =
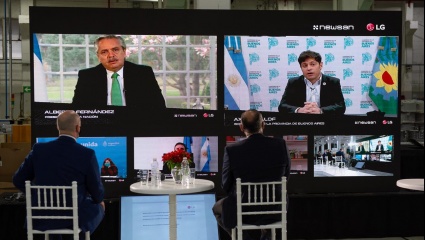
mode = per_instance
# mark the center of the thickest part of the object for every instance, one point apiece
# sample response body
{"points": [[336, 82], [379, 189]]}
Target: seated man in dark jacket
{"points": [[257, 158]]}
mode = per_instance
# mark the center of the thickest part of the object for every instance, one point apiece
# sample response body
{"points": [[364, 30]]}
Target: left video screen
{"points": [[111, 153], [179, 71]]}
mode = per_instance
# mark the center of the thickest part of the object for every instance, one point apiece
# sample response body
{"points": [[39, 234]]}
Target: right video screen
{"points": [[353, 156], [330, 88], [358, 76]]}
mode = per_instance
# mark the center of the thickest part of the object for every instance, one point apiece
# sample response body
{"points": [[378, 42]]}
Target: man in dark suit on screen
{"points": [[58, 163], [361, 148], [379, 147], [116, 81], [313, 92], [257, 158]]}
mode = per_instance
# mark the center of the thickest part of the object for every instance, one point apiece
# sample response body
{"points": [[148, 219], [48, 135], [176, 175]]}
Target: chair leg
{"points": [[88, 235], [284, 234], [234, 234], [273, 233], [240, 236], [46, 236]]}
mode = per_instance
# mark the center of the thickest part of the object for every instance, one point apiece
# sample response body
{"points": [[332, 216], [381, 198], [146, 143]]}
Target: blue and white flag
{"points": [[40, 84], [236, 86], [205, 155], [188, 142]]}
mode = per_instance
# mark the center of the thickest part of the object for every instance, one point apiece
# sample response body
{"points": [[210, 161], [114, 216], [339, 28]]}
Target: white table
{"points": [[411, 183], [170, 188]]}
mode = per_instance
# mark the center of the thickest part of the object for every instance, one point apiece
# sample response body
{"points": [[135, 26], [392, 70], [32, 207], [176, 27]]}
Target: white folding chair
{"points": [[317, 160], [261, 189], [52, 198], [339, 162], [328, 161]]}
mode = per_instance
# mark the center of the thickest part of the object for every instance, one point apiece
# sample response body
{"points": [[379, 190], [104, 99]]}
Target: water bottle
{"points": [[185, 172], [155, 175]]}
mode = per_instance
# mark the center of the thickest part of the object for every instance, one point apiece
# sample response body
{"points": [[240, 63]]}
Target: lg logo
{"points": [[370, 27]]}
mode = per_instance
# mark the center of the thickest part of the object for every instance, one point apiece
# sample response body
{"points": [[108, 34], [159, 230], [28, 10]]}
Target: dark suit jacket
{"points": [[140, 87], [255, 159], [60, 162], [379, 148], [331, 98]]}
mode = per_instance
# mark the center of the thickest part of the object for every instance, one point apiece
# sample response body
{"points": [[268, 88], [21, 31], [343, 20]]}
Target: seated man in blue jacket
{"points": [[58, 163]]}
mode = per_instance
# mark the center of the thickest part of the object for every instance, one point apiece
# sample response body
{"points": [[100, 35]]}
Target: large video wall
{"points": [[211, 65]]}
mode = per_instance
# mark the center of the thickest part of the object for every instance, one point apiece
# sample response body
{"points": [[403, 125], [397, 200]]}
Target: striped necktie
{"points": [[116, 98]]}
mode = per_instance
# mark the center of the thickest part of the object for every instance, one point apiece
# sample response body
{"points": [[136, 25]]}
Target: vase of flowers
{"points": [[173, 160]]}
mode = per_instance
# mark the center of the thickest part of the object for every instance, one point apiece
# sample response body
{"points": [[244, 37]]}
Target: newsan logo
{"points": [[333, 27]]}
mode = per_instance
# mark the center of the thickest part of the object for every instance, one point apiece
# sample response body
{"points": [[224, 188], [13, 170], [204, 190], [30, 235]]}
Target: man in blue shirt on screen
{"points": [[313, 92]]}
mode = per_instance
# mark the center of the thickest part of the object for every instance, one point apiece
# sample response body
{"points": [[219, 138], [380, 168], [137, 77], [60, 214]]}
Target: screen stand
{"points": [[173, 216]]}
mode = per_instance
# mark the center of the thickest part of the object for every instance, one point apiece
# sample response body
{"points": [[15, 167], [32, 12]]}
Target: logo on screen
{"points": [[347, 72], [333, 27], [329, 57], [273, 42], [348, 41], [371, 27]]}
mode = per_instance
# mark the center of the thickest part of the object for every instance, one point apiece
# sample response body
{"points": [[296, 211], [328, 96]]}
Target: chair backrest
{"points": [[338, 158], [272, 194], [51, 198]]}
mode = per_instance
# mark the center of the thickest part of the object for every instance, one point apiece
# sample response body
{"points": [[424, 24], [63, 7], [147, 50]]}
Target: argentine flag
{"points": [[188, 142], [205, 155], [39, 88], [236, 87]]}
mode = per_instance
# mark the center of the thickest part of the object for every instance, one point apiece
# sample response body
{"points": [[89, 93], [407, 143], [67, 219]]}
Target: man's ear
{"points": [[263, 125]]}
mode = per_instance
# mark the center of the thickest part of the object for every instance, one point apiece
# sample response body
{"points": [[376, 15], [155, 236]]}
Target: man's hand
{"points": [[310, 108]]}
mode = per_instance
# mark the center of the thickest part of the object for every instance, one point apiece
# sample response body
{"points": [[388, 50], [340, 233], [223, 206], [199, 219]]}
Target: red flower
{"points": [[175, 158]]}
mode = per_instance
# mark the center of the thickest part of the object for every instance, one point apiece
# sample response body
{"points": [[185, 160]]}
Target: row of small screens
{"points": [[204, 149]]}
